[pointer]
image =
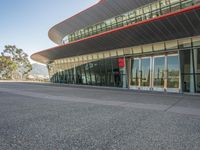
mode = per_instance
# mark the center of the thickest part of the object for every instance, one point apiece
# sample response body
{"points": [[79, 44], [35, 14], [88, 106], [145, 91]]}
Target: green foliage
{"points": [[14, 60], [7, 66]]}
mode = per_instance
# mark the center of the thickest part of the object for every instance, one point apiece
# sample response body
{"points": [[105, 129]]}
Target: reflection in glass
{"points": [[198, 72], [84, 78], [148, 11], [145, 72], [159, 68], [186, 65], [173, 72], [87, 74], [135, 72]]}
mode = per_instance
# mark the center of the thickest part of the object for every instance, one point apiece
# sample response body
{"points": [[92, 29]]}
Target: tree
{"points": [[7, 67], [19, 58]]}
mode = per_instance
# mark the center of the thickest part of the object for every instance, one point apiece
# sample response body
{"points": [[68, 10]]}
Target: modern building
{"points": [[137, 44]]}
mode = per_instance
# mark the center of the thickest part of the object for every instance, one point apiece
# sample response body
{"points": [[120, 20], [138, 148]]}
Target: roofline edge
{"points": [[51, 31]]}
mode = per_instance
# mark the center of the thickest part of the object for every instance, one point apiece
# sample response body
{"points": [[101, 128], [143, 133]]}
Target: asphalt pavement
{"points": [[36, 116]]}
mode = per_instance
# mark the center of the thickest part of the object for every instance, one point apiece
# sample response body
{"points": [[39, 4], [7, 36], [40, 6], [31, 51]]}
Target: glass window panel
{"points": [[159, 70], [175, 5], [116, 73], [198, 71], [186, 68], [155, 6], [135, 72], [196, 1], [93, 71], [132, 14], [145, 72], [96, 70], [87, 74], [174, 1], [173, 72], [147, 9], [164, 3]]}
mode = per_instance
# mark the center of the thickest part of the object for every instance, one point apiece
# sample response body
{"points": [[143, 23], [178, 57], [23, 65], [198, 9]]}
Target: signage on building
{"points": [[121, 62]]}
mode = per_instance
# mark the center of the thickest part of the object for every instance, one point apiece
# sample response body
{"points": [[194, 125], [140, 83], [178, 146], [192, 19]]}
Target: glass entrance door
{"points": [[135, 73], [173, 73], [145, 73], [159, 73]]}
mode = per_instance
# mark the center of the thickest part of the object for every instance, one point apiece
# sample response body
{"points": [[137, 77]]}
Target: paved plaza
{"points": [[52, 117]]}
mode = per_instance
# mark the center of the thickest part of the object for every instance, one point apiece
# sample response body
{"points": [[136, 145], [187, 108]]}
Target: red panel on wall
{"points": [[121, 62]]}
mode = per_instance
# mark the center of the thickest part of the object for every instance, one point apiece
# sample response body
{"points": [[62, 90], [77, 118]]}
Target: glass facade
{"points": [[105, 72], [159, 72], [135, 72], [190, 69], [197, 75], [146, 12], [173, 72], [153, 66], [145, 72]]}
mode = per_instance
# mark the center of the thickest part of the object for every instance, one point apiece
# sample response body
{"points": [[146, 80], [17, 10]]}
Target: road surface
{"points": [[52, 117]]}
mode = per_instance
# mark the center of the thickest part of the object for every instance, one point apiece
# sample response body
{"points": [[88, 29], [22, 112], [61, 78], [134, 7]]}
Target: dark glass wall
{"points": [[197, 70], [190, 70], [146, 12], [106, 72]]}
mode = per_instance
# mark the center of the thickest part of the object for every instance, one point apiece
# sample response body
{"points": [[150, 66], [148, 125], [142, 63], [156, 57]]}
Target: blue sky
{"points": [[25, 23]]}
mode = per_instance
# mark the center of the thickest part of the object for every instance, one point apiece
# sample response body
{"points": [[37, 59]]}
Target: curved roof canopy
{"points": [[99, 12], [183, 23]]}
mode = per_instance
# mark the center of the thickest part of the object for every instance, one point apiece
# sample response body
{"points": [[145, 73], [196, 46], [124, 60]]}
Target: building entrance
{"points": [[156, 73]]}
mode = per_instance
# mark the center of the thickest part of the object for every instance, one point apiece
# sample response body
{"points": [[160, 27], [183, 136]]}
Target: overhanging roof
{"points": [[101, 11], [183, 23]]}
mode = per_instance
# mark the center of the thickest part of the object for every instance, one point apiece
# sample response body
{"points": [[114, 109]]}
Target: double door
{"points": [[158, 73]]}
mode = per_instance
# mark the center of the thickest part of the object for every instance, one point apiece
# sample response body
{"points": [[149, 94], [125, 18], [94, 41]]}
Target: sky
{"points": [[25, 23]]}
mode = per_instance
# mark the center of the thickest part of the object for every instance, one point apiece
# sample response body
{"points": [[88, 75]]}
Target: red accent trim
{"points": [[131, 25]]}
